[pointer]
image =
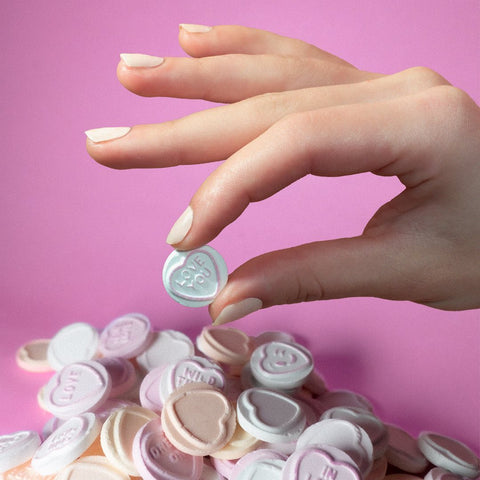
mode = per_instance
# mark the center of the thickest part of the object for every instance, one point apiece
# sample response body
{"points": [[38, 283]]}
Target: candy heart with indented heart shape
{"points": [[198, 419], [77, 388], [269, 415], [281, 365], [194, 278], [313, 463]]}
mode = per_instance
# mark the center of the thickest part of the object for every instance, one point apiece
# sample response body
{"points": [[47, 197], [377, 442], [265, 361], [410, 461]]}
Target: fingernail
{"points": [[238, 310], [193, 28], [181, 227], [106, 133], [141, 60]]}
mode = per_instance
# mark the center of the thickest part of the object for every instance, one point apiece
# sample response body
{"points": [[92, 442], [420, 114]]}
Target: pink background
{"points": [[84, 243]]}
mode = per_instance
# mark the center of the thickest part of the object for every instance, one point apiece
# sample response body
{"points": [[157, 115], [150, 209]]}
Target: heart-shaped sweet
{"points": [[198, 419], [226, 345], [78, 387], [125, 336], [17, 448], [280, 357], [156, 457], [196, 278], [316, 464], [197, 370], [269, 415]]}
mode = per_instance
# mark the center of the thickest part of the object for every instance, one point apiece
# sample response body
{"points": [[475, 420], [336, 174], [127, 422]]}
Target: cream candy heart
{"points": [[281, 365], [194, 278], [228, 346], [198, 419], [77, 388], [315, 464]]}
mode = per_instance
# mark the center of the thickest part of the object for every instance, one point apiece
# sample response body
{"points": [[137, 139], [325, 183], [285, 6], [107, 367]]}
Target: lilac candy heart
{"points": [[126, 336], [155, 457]]}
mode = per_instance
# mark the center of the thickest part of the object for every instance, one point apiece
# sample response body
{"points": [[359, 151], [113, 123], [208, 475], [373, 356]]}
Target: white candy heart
{"points": [[270, 415], [17, 448], [194, 278], [197, 370], [77, 388], [315, 464]]}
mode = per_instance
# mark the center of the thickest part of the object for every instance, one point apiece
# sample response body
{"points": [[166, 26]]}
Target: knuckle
{"points": [[425, 77], [454, 105]]}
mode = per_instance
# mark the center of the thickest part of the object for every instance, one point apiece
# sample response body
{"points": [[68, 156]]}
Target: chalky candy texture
{"points": [[235, 408], [194, 278]]}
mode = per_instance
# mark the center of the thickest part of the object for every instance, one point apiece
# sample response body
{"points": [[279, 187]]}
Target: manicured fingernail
{"points": [[181, 227], [141, 60], [238, 310], [106, 133], [193, 28]]}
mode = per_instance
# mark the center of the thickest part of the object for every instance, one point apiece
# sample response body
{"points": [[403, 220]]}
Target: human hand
{"points": [[294, 110]]}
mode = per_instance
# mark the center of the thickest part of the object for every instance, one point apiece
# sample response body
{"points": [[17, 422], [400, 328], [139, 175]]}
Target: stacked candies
{"points": [[129, 402]]}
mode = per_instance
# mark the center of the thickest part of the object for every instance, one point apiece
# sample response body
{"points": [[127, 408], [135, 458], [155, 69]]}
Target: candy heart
{"points": [[190, 370], [17, 448], [126, 336], [225, 345], [281, 365], [316, 464], [279, 357], [344, 435], [195, 277], [269, 415], [197, 370], [198, 419], [77, 388], [155, 457]]}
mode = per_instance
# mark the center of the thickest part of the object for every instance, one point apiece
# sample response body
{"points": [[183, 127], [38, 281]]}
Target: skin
{"points": [[294, 110]]}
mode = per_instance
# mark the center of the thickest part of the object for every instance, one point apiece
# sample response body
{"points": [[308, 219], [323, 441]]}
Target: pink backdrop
{"points": [[83, 243]]}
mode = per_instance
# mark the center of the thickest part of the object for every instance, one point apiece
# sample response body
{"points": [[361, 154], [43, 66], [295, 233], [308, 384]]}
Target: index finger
{"points": [[389, 138]]}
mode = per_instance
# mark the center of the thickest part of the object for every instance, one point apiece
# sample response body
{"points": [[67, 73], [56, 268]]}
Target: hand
{"points": [[295, 110]]}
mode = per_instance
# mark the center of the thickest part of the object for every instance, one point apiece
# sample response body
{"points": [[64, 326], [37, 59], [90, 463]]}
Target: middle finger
{"points": [[217, 133]]}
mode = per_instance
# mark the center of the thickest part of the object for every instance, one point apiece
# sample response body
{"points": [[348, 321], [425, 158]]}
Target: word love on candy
{"points": [[154, 405], [194, 278]]}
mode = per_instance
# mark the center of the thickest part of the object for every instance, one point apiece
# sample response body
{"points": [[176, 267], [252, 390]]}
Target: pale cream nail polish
{"points": [[141, 60], [193, 28], [238, 310], [181, 227], [106, 133]]}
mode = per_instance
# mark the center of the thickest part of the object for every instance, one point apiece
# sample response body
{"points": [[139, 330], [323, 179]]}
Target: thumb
{"points": [[349, 267]]}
